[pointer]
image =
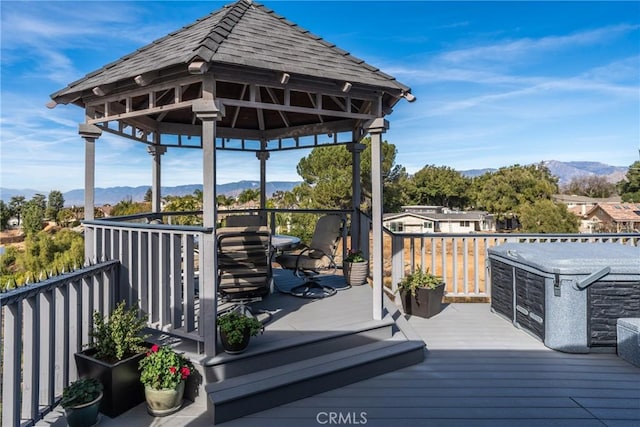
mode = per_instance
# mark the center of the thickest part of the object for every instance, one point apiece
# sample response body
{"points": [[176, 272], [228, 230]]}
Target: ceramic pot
{"points": [[165, 401], [355, 273], [237, 347], [85, 415]]}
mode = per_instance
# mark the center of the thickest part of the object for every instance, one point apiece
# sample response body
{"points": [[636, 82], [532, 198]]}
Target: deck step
{"points": [[268, 388], [271, 354]]}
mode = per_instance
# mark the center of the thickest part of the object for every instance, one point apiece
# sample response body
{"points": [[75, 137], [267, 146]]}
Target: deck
{"points": [[479, 371]]}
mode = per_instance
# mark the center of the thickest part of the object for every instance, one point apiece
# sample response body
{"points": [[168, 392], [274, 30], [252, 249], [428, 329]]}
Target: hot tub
{"points": [[569, 295]]}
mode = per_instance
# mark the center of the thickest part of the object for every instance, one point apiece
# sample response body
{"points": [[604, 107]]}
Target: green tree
{"points": [[148, 195], [40, 200], [590, 186], [504, 191], [65, 217], [5, 215], [129, 207], [327, 172], [249, 195], [188, 203], [55, 204], [440, 186], [16, 204], [629, 189], [43, 255], [224, 201], [545, 216], [32, 216]]}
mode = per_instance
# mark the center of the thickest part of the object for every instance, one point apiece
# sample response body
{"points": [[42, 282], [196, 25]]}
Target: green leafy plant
{"points": [[120, 335], [233, 325], [81, 391], [163, 368], [419, 279], [355, 256]]}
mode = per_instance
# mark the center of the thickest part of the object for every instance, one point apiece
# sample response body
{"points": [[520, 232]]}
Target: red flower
{"points": [[172, 369], [185, 371], [155, 348]]}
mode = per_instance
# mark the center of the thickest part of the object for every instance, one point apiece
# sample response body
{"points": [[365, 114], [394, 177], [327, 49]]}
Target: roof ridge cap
{"points": [[220, 31]]}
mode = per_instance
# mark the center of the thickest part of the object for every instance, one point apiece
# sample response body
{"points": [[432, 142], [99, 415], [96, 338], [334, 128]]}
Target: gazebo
{"points": [[242, 78]]}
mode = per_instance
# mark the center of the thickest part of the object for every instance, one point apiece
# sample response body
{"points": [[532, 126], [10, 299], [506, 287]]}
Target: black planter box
{"points": [[121, 381], [427, 302]]}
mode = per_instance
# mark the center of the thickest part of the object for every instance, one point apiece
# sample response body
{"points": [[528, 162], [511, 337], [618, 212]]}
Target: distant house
{"points": [[613, 217], [438, 219]]}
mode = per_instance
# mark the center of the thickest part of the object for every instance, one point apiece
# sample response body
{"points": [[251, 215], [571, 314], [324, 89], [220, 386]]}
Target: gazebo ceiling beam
{"points": [[123, 134], [295, 82], [93, 101], [294, 109], [275, 101], [142, 121], [254, 95], [256, 135], [236, 113]]}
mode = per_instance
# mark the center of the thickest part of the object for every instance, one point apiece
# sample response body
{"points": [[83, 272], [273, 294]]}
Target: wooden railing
{"points": [[159, 269], [160, 265], [43, 325], [461, 259]]}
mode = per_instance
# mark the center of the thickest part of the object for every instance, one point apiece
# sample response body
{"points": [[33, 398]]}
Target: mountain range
{"points": [[565, 171]]}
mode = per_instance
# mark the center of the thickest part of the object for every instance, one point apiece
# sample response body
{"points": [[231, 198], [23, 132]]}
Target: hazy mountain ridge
{"points": [[112, 195], [565, 171]]}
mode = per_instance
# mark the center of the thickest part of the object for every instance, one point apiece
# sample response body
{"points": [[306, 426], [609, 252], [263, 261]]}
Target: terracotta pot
{"points": [[355, 273], [165, 401]]}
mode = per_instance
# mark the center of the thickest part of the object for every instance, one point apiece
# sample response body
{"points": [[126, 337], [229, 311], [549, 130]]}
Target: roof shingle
{"points": [[243, 33]]}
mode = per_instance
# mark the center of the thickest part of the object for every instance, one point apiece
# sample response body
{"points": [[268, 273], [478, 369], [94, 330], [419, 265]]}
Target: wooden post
{"points": [[90, 133], [156, 175], [263, 156], [356, 197], [376, 128], [207, 111]]}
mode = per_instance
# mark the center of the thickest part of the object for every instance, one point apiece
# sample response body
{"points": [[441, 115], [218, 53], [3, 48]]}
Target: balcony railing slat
{"points": [[31, 363], [48, 345], [12, 353], [44, 324], [175, 279]]}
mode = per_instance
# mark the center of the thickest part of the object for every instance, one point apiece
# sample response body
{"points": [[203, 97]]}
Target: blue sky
{"points": [[498, 83]]}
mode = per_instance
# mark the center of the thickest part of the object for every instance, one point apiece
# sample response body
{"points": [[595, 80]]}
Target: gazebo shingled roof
{"points": [[246, 35]]}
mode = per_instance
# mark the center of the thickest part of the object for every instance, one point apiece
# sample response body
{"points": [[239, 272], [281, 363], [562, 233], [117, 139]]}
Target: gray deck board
{"points": [[479, 371]]}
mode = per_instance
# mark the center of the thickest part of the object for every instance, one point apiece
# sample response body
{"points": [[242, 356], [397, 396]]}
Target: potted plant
{"points": [[355, 268], [236, 330], [117, 346], [163, 373], [421, 293], [81, 402]]}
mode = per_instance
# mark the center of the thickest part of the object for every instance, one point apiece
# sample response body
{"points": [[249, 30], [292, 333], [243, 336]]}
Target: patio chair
{"points": [[245, 220], [319, 257], [244, 269]]}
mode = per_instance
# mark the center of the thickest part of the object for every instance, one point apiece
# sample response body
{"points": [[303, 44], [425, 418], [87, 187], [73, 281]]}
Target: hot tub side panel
{"points": [[530, 302], [608, 301], [502, 288]]}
